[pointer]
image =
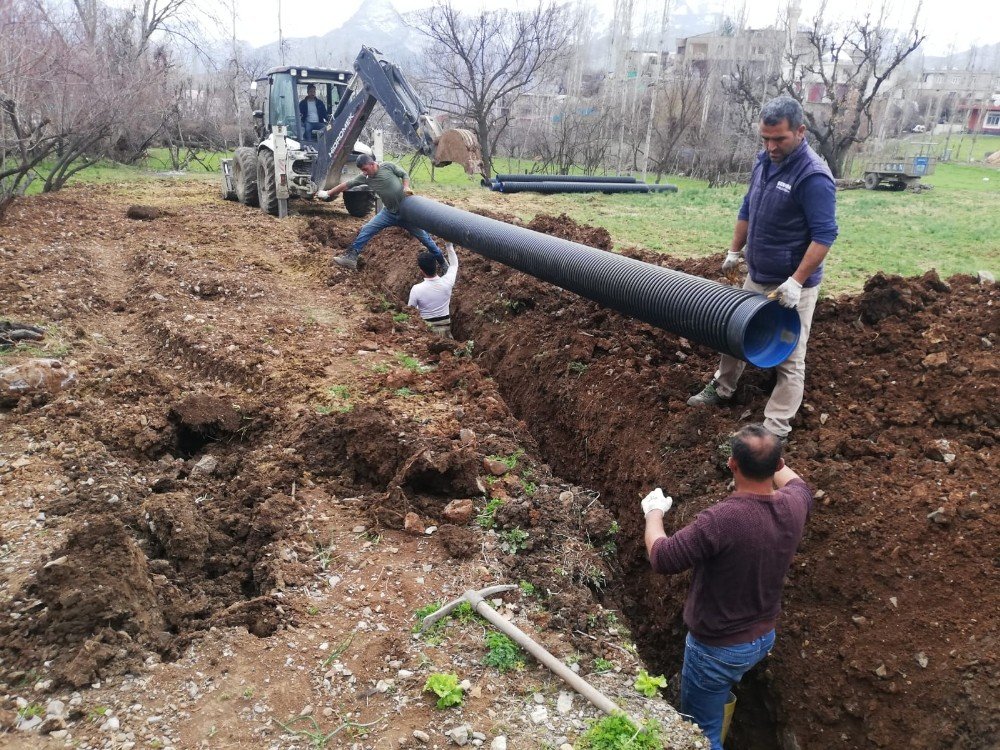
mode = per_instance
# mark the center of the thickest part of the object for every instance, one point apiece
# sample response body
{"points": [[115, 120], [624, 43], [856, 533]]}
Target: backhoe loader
{"points": [[295, 161]]}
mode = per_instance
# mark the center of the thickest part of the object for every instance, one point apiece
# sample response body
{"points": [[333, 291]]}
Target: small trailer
{"points": [[898, 173]]}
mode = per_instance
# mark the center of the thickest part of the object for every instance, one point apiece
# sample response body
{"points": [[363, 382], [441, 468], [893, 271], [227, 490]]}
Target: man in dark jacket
{"points": [[312, 112], [787, 224], [740, 551]]}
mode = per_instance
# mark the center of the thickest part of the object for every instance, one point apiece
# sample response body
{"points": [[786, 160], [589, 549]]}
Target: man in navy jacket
{"points": [[312, 112], [786, 224]]}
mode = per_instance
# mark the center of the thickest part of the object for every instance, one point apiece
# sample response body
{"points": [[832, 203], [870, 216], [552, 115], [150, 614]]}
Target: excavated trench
{"points": [[604, 396]]}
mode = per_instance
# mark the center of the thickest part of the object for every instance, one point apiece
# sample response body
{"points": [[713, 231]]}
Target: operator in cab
{"points": [[392, 184], [312, 112]]}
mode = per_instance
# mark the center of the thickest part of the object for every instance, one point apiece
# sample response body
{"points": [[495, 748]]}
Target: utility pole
{"points": [[281, 39]]}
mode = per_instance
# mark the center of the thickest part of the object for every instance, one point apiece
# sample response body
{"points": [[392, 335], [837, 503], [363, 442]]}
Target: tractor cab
{"points": [[283, 89]]}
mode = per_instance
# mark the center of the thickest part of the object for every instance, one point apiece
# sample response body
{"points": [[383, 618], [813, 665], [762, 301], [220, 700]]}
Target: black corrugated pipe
{"points": [[486, 182], [561, 178], [729, 320], [580, 187]]}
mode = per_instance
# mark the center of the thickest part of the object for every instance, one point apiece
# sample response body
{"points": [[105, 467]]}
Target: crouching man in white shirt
{"points": [[432, 296]]}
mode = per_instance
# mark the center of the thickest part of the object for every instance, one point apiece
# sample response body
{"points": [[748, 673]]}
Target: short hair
{"points": [[756, 450], [364, 160], [427, 262], [311, 86], [781, 108]]}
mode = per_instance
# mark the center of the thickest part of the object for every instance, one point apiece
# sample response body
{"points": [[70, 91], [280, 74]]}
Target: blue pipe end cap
{"points": [[771, 335]]}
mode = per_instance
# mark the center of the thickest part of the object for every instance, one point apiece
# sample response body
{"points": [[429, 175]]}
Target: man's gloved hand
{"points": [[407, 191], [732, 261], [323, 195], [656, 500], [789, 293]]}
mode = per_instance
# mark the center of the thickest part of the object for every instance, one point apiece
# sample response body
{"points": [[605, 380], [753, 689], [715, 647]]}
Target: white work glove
{"points": [[323, 195], [732, 261], [789, 293], [656, 500]]}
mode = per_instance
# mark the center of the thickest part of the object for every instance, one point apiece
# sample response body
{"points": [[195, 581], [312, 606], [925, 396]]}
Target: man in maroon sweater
{"points": [[740, 550]]}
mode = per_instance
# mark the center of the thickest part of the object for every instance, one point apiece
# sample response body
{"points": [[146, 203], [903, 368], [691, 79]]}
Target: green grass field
{"points": [[954, 228]]}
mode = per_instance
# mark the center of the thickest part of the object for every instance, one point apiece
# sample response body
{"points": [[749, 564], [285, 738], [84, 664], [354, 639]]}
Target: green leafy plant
{"points": [[486, 518], [380, 367], [504, 654], [400, 317], [617, 732], [577, 368], [603, 665], [338, 400], [466, 351], [446, 688], [513, 540], [649, 685], [411, 363], [31, 711], [509, 461], [404, 392], [464, 613], [527, 588], [530, 488]]}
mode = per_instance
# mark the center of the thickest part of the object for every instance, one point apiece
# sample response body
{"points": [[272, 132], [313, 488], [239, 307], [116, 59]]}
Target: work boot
{"points": [[347, 260], [708, 396], [783, 439]]}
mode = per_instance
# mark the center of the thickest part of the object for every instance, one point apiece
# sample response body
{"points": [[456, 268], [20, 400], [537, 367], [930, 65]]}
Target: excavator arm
{"points": [[378, 81]]}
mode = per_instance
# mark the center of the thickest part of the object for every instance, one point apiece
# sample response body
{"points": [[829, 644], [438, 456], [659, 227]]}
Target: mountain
{"points": [[985, 58], [376, 24]]}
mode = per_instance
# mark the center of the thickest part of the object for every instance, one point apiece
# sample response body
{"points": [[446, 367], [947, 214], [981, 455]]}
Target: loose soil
{"points": [[220, 532], [890, 628], [223, 524]]}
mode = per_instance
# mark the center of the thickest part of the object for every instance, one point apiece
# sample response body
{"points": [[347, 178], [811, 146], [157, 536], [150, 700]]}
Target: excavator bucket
{"points": [[460, 147]]}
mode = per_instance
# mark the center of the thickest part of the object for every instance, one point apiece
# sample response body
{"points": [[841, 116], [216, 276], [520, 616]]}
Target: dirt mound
{"points": [[564, 227], [320, 230], [99, 627], [143, 213], [897, 433]]}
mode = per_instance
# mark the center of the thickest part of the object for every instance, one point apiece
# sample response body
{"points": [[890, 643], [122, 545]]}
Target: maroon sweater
{"points": [[740, 550]]}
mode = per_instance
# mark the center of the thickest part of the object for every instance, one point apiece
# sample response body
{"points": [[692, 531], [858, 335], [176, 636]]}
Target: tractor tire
{"points": [[267, 189], [245, 175], [871, 181], [359, 203]]}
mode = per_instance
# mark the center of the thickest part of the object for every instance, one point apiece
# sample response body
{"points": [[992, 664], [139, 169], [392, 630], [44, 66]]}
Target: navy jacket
{"points": [[320, 109], [778, 211]]}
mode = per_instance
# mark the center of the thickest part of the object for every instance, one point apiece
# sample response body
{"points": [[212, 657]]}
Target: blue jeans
{"points": [[385, 219], [309, 129], [709, 673]]}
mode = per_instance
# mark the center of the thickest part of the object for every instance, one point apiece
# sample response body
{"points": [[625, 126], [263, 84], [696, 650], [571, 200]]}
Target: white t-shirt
{"points": [[432, 297], [312, 115]]}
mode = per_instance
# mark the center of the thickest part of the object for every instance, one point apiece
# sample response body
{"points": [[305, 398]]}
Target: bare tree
{"points": [[483, 63], [851, 65], [678, 107], [79, 82]]}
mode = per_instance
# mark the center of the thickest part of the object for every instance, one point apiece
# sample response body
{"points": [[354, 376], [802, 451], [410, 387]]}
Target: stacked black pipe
{"points": [[729, 320], [543, 183]]}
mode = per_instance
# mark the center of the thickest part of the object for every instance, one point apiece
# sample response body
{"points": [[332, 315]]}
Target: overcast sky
{"points": [[959, 22]]}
